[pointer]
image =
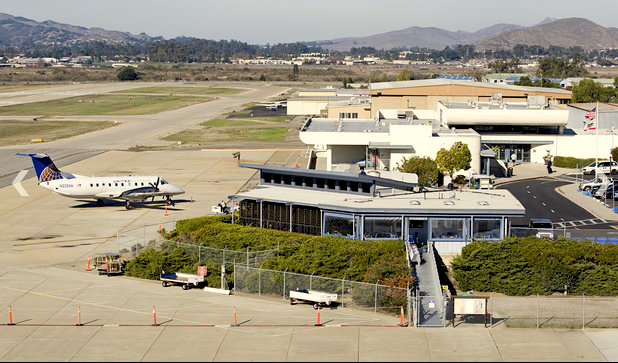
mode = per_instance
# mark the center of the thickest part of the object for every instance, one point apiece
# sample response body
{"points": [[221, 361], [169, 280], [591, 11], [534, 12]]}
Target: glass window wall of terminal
{"points": [[418, 229], [382, 228]]}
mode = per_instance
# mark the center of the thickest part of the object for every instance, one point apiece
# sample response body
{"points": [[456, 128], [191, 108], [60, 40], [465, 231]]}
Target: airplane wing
{"points": [[140, 193]]}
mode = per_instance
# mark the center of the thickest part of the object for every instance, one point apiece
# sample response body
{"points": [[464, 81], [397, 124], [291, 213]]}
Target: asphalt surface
{"points": [[541, 200]]}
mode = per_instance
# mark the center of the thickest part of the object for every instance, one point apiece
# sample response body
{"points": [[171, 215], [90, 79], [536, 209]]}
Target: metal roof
{"points": [[336, 175], [462, 78], [439, 82], [494, 202]]}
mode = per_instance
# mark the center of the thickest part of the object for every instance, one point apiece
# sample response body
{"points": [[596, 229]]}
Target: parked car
{"points": [[600, 181], [606, 167], [605, 192], [543, 227]]}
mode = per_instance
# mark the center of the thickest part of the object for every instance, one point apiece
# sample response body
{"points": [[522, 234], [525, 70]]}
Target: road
{"points": [[541, 200]]}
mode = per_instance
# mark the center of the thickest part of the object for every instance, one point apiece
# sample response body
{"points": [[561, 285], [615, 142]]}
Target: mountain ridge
{"points": [[569, 32]]}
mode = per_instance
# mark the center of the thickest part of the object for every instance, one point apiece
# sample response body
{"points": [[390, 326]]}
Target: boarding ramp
{"points": [[430, 305]]}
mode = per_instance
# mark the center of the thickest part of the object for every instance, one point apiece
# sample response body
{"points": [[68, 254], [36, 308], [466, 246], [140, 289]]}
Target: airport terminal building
{"points": [[366, 207]]}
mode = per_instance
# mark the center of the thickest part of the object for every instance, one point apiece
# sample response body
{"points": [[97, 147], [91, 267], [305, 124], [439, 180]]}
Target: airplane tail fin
{"points": [[44, 167]]}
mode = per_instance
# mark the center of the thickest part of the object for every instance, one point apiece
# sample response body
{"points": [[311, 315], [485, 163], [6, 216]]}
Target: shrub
{"points": [[571, 162], [528, 265], [334, 257]]}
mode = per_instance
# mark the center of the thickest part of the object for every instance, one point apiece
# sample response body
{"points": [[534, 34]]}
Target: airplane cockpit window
{"points": [[163, 181]]}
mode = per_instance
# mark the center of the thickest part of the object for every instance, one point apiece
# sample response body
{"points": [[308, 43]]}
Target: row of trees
{"points": [[185, 49]]}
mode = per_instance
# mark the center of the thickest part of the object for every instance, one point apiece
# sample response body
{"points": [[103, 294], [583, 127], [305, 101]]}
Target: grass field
{"points": [[103, 105], [268, 134], [229, 123], [188, 90], [14, 132], [275, 118]]}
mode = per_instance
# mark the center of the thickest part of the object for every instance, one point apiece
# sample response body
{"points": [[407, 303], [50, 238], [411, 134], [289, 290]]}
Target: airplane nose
{"points": [[178, 190]]}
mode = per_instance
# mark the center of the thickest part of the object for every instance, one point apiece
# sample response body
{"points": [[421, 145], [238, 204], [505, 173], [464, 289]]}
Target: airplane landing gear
{"points": [[99, 202], [169, 201], [128, 206]]}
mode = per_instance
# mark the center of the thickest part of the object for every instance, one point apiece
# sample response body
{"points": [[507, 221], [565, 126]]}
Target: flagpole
{"points": [[596, 116]]}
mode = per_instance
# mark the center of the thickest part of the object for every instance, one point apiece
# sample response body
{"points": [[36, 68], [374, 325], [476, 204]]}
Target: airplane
{"points": [[128, 188]]}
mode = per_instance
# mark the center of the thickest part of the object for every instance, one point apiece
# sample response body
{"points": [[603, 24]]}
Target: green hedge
{"points": [[571, 162], [526, 266], [324, 256]]}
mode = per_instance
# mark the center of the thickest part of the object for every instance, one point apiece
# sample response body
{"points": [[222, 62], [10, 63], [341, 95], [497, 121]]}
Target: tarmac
{"points": [[62, 312]]}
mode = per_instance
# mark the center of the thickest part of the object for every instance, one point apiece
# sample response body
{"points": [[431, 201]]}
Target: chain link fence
{"points": [[350, 294], [601, 236], [554, 312]]}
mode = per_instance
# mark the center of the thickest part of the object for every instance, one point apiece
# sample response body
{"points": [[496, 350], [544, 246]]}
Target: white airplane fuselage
{"points": [[113, 187]]}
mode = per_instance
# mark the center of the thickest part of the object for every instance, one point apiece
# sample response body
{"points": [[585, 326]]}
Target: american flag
{"points": [[592, 114]]}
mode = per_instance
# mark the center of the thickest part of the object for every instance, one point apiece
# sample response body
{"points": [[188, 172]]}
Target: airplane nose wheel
{"points": [[128, 206]]}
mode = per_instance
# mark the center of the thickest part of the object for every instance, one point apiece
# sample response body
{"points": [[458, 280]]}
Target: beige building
{"points": [[425, 94]]}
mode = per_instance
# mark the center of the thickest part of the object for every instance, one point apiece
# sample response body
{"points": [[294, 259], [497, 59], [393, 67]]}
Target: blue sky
{"points": [[283, 21]]}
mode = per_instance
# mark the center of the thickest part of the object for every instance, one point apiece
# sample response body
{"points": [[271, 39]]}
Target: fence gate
{"points": [[429, 311]]}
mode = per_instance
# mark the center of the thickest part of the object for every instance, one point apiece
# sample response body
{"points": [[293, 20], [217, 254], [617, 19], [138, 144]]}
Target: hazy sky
{"points": [[284, 21]]}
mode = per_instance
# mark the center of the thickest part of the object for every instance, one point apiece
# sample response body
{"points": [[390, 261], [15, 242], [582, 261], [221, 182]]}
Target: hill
{"points": [[18, 31], [566, 33], [422, 37]]}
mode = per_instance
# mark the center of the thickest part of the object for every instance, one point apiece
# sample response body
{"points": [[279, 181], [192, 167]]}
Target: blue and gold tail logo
{"points": [[50, 173]]}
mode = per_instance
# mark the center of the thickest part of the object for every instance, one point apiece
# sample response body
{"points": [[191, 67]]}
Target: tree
{"points": [[458, 157], [405, 75], [590, 91], [553, 67], [127, 73], [425, 167]]}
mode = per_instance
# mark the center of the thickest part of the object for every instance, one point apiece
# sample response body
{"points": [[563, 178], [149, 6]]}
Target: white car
{"points": [[601, 181], [606, 167]]}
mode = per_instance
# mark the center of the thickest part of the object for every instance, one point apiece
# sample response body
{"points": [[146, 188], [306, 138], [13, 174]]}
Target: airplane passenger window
{"points": [[97, 184], [142, 183], [122, 184], [116, 184], [91, 185], [110, 184]]}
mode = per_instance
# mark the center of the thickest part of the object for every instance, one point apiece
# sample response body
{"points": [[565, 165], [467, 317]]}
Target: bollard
{"points": [[10, 316], [107, 266], [166, 209], [154, 316], [191, 197], [402, 321], [159, 226], [318, 324], [79, 317], [235, 316], [88, 263]]}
